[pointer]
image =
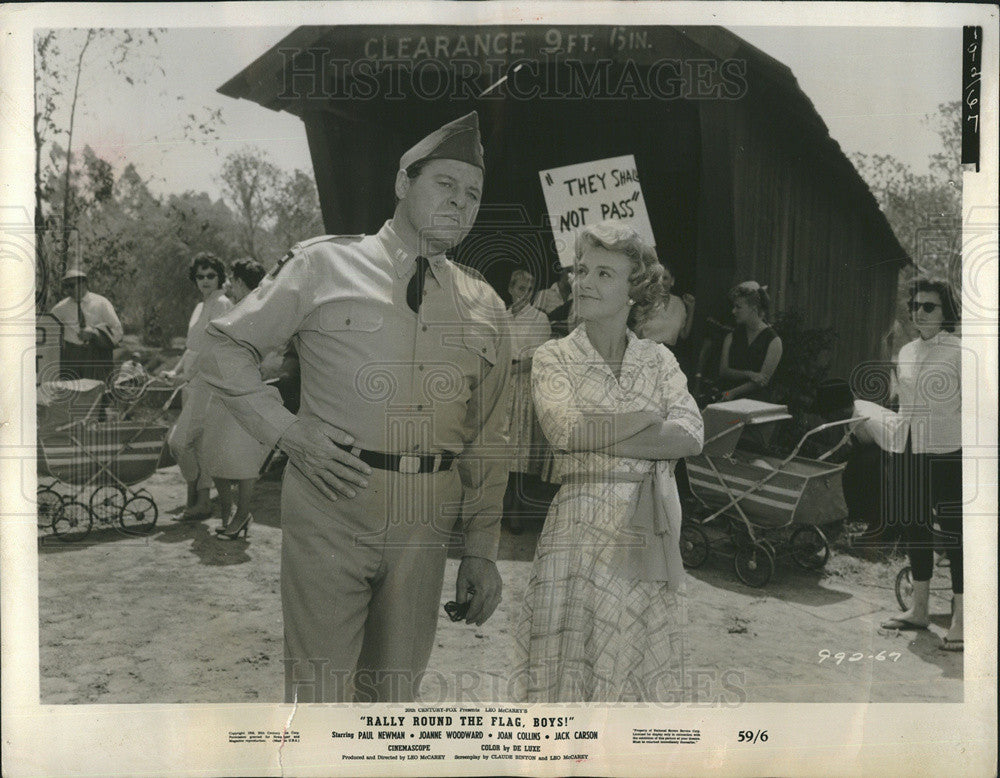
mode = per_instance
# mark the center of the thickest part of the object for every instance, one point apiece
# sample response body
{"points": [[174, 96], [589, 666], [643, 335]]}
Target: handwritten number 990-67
{"points": [[857, 656]]}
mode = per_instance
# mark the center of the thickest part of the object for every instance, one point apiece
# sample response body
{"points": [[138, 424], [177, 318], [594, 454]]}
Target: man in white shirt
{"points": [[91, 330], [556, 295]]}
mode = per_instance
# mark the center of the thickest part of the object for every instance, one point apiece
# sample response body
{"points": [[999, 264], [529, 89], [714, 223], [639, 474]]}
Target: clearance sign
{"points": [[591, 192]]}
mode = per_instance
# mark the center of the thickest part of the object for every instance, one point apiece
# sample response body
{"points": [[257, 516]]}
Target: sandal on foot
{"points": [[956, 644], [902, 624]]}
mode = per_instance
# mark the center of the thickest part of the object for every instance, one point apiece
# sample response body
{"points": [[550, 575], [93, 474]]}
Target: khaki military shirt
{"points": [[397, 381]]}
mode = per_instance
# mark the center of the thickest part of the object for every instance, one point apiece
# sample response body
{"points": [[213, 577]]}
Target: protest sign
{"points": [[591, 192]]}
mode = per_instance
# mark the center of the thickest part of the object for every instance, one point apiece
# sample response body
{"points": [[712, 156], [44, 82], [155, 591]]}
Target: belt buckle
{"points": [[409, 464]]}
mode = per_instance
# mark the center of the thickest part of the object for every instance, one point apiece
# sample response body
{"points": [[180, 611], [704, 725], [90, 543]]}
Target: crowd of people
{"points": [[426, 401]]}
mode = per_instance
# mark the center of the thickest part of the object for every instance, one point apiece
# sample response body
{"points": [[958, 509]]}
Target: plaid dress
{"points": [[589, 630]]}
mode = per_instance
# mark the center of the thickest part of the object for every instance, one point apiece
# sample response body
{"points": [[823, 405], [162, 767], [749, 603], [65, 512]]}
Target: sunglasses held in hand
{"points": [[457, 610]]}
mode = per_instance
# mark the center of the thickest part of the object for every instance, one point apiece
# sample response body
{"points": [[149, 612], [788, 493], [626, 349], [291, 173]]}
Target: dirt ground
{"points": [[181, 617]]}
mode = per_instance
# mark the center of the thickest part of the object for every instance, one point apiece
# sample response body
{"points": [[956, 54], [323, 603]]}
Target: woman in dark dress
{"points": [[751, 353]]}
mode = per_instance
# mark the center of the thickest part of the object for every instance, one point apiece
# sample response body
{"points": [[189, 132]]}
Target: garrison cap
{"points": [[458, 139]]}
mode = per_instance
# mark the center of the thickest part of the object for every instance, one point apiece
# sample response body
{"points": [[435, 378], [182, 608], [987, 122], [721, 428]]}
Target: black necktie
{"points": [[415, 289]]}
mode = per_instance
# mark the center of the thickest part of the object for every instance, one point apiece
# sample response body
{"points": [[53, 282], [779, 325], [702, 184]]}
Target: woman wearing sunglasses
{"points": [[928, 387], [208, 274]]}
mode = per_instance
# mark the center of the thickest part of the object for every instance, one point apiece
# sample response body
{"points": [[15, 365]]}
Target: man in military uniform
{"points": [[404, 361]]}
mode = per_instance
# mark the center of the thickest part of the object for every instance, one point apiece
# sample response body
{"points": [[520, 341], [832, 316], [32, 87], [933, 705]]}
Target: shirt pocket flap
{"points": [[349, 316], [482, 345]]}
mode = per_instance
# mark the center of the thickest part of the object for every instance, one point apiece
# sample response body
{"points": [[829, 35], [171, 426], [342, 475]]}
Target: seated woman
{"points": [[603, 611], [751, 353]]}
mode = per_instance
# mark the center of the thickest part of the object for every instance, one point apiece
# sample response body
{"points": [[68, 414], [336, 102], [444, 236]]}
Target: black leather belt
{"points": [[404, 463]]}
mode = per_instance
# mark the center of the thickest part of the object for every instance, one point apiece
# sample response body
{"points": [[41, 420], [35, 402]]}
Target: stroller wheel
{"points": [[834, 530], [139, 515], [694, 546], [106, 503], [48, 501], [904, 588], [72, 522], [754, 565], [809, 547]]}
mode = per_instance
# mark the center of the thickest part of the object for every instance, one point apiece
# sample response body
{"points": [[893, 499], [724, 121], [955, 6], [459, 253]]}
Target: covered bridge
{"points": [[739, 174]]}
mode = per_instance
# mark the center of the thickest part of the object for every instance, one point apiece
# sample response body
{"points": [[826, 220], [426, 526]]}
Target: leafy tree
{"points": [[60, 59], [924, 210], [250, 181], [274, 209], [138, 244], [65, 60], [162, 297], [296, 209], [133, 193]]}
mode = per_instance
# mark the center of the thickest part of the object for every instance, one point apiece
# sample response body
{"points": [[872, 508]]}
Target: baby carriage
{"points": [[771, 506], [91, 464]]}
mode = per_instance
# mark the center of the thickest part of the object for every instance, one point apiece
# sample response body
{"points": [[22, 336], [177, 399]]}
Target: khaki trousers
{"points": [[361, 584]]}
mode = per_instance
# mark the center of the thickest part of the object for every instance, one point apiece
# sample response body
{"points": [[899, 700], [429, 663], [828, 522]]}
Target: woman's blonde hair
{"points": [[521, 273], [755, 294], [645, 282]]}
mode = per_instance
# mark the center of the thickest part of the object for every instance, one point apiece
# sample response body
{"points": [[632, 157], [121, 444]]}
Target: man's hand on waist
{"points": [[312, 448]]}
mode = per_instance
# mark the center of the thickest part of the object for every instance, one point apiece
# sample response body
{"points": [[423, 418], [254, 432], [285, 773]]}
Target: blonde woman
{"points": [[603, 612], [751, 352]]}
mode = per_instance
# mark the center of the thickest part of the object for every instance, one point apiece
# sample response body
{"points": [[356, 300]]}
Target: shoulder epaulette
{"points": [[312, 242], [326, 239], [280, 264]]}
